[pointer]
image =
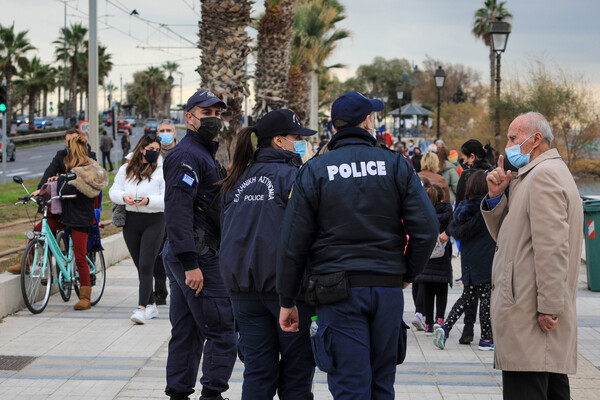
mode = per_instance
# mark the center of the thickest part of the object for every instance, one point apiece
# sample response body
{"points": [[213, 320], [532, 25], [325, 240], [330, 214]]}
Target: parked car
{"points": [[131, 120], [123, 125], [10, 150], [151, 126], [23, 119]]}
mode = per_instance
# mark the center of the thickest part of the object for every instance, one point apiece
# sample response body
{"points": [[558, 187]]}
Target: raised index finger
{"points": [[501, 162]]}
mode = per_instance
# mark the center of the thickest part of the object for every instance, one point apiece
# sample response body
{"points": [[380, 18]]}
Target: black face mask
{"points": [[151, 156], [209, 127]]}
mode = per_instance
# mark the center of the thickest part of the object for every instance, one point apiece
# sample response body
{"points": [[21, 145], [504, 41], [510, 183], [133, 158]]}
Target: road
{"points": [[32, 162]]}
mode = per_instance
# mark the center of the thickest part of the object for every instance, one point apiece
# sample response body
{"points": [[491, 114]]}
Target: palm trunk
{"points": [[272, 66], [31, 110], [492, 71], [45, 102], [299, 93], [223, 62], [72, 108]]}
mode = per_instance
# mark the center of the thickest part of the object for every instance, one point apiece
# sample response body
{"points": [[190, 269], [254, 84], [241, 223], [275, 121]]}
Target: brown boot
{"points": [[84, 298], [15, 269]]}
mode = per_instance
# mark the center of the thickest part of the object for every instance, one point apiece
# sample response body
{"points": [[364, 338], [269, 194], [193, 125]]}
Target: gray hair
{"points": [[167, 122], [536, 122]]}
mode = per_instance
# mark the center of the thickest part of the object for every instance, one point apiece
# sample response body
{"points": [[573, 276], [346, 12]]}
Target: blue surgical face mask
{"points": [[299, 146], [515, 157], [166, 138]]}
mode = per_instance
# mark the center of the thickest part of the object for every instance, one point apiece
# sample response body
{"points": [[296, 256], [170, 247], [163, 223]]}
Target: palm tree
{"points": [[12, 54], [273, 56], [224, 45], [110, 88], [153, 82], [104, 67], [170, 68], [314, 39], [75, 46], [482, 22], [33, 78], [50, 83]]}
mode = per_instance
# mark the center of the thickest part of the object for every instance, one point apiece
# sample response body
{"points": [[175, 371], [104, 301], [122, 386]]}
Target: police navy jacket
{"points": [[190, 172], [350, 210], [252, 216]]}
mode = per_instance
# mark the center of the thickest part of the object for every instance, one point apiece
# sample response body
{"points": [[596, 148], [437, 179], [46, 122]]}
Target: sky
{"points": [[564, 34]]}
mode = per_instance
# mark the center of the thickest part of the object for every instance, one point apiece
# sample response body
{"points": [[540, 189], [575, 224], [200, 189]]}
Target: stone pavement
{"points": [[100, 354]]}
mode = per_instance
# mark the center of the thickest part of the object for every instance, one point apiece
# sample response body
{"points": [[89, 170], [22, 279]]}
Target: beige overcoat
{"points": [[539, 233]]}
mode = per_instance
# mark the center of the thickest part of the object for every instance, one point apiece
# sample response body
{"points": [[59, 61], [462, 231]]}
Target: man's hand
{"points": [[35, 193], [194, 279], [129, 199], [288, 319], [52, 179], [498, 180], [547, 322], [405, 285]]}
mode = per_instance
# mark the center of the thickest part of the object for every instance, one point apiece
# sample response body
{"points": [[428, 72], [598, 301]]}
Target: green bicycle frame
{"points": [[62, 261]]}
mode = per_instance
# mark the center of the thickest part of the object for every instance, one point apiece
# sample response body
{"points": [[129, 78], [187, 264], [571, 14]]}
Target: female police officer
{"points": [[255, 195], [200, 309]]}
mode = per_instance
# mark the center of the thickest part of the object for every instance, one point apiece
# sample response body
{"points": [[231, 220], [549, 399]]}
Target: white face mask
{"points": [[372, 129]]}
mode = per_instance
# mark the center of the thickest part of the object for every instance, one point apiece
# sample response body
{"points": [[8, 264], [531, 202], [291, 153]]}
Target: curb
{"points": [[11, 299]]}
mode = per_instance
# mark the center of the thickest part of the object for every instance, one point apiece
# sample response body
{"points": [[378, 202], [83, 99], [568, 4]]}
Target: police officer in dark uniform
{"points": [[345, 227], [200, 309]]}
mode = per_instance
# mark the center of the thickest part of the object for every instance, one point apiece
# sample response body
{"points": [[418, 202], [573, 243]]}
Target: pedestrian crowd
{"points": [[288, 260]]}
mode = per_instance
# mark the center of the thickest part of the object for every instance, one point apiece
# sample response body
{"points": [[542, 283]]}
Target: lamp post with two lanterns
{"points": [[400, 96]]}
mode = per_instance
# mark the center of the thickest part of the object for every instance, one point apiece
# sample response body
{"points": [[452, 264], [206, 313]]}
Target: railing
{"points": [[37, 136]]}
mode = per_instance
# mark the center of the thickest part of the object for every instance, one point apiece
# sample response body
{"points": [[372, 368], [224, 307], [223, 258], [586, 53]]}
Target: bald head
{"points": [[532, 122]]}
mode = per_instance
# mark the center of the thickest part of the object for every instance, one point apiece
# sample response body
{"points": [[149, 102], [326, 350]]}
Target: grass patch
{"points": [[20, 145], [10, 191]]}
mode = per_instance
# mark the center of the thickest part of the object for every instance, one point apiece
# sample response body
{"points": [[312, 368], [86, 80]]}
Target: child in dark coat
{"points": [[477, 255], [438, 272]]}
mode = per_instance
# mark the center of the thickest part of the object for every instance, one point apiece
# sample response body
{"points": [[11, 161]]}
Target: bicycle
{"points": [[45, 250]]}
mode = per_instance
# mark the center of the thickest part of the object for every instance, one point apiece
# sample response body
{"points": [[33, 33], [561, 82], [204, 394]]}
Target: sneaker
{"points": [[438, 324], [219, 397], [419, 322], [151, 311], [439, 337], [138, 316], [486, 345], [428, 330]]}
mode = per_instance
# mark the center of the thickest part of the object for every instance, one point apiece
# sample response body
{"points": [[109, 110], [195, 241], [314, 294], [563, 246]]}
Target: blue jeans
{"points": [[360, 341], [274, 361], [201, 326]]}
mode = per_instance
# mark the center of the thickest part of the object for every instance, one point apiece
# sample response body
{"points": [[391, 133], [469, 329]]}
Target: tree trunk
{"points": [[72, 107], [492, 71], [45, 103], [223, 61], [299, 94], [31, 110], [273, 58]]}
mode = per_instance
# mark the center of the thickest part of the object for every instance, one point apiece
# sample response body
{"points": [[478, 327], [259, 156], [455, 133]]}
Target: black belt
{"points": [[358, 280]]}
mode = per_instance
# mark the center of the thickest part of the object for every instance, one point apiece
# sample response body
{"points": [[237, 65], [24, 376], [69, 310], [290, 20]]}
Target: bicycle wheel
{"points": [[64, 288], [36, 280], [98, 278]]}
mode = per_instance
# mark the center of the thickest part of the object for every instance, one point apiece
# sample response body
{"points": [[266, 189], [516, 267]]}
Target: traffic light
{"points": [[2, 98]]}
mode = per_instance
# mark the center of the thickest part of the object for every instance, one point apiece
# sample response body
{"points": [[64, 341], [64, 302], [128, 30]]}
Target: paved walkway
{"points": [[100, 354]]}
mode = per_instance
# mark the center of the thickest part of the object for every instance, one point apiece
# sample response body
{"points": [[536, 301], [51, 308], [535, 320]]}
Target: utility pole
{"points": [[4, 141], [65, 69], [93, 77], [121, 92]]}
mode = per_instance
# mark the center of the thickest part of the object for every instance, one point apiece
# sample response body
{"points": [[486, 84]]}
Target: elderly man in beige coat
{"points": [[538, 229]]}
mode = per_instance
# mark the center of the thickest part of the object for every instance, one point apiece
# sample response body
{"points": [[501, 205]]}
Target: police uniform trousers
{"points": [[202, 327], [359, 342], [274, 361]]}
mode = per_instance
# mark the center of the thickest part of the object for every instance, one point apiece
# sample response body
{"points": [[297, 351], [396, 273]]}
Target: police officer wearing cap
{"points": [[255, 196], [345, 227], [200, 309]]}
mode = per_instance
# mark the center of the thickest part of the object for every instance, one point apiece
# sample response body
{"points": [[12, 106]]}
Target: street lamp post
{"points": [[400, 96], [499, 32], [440, 79]]}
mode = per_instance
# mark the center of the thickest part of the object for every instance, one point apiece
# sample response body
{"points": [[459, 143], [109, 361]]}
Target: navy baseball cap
{"points": [[204, 98], [353, 108], [280, 123]]}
